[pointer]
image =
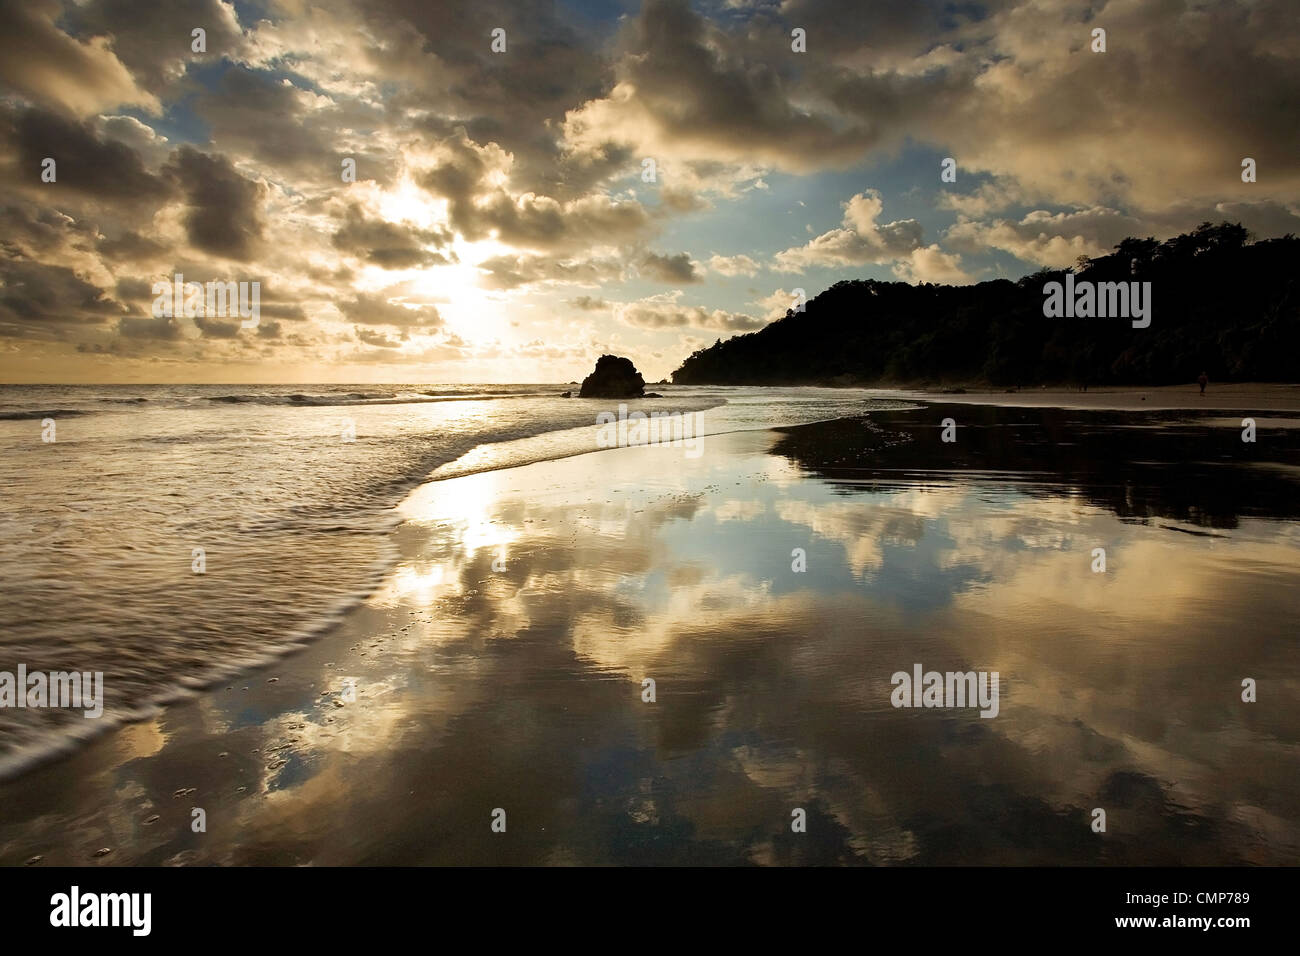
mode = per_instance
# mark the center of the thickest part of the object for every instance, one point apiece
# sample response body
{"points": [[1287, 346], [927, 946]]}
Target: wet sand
{"points": [[520, 687], [1246, 397]]}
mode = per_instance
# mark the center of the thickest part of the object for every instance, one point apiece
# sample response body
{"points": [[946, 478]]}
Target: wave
{"points": [[362, 398], [39, 746], [552, 392], [29, 414], [306, 520]]}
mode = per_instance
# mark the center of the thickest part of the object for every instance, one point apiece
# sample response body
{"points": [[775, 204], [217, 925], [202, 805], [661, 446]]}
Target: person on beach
{"points": [[1203, 380]]}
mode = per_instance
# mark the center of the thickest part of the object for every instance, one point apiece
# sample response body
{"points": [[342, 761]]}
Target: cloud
{"points": [[528, 164], [776, 305], [686, 88], [439, 58], [388, 245], [472, 179], [217, 329], [676, 269], [130, 246], [224, 214], [931, 264], [1057, 239], [378, 339], [588, 304], [37, 298], [859, 241], [154, 39], [740, 265], [264, 116], [36, 231], [1163, 116], [375, 309], [161, 329], [86, 164], [511, 272], [76, 76], [1044, 238], [665, 312]]}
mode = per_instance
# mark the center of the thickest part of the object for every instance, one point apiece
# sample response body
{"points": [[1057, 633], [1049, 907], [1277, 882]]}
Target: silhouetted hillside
{"points": [[1220, 304]]}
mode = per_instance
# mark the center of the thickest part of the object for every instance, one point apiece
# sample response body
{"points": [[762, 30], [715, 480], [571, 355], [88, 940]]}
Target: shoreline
{"points": [[1235, 397], [160, 743], [478, 686]]}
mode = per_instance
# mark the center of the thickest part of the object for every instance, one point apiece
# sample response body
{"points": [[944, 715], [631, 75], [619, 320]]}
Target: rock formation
{"points": [[614, 377]]}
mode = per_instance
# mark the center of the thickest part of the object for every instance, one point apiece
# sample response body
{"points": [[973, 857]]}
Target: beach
{"points": [[1246, 396], [487, 702]]}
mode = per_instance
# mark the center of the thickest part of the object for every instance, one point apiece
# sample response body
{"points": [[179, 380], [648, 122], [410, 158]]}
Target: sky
{"points": [[539, 183]]}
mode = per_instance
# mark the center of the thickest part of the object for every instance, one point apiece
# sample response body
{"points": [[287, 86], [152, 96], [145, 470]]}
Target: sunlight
{"points": [[468, 506], [414, 584], [468, 310], [409, 203]]}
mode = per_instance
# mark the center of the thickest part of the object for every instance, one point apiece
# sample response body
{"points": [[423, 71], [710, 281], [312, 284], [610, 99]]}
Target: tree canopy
{"points": [[1220, 304]]}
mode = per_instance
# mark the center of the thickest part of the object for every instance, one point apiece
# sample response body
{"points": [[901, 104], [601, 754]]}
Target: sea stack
{"points": [[614, 377]]}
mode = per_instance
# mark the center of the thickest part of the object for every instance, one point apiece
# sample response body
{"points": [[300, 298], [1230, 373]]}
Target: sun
{"points": [[408, 203], [455, 284]]}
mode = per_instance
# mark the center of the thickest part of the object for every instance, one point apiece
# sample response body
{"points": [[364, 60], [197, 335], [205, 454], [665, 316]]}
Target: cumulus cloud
{"points": [[154, 40], [36, 299], [739, 265], [1046, 239], [78, 76], [859, 241], [775, 306], [378, 339], [224, 210], [686, 88], [932, 264], [676, 269], [666, 312], [94, 167], [486, 181], [388, 245], [376, 309], [511, 272]]}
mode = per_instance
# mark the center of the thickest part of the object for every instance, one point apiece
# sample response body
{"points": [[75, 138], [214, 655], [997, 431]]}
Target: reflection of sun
{"points": [[467, 505], [467, 511], [472, 508], [415, 584]]}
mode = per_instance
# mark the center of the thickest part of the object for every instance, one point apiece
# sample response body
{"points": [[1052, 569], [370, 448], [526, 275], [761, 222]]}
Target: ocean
{"points": [[172, 536]]}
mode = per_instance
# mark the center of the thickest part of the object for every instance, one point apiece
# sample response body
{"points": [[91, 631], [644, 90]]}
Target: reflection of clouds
{"points": [[778, 768], [779, 698], [781, 472], [736, 509], [521, 688], [1037, 549], [143, 739], [643, 649], [847, 522]]}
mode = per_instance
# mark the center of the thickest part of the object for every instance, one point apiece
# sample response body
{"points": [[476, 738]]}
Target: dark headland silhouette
{"points": [[1220, 304]]}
